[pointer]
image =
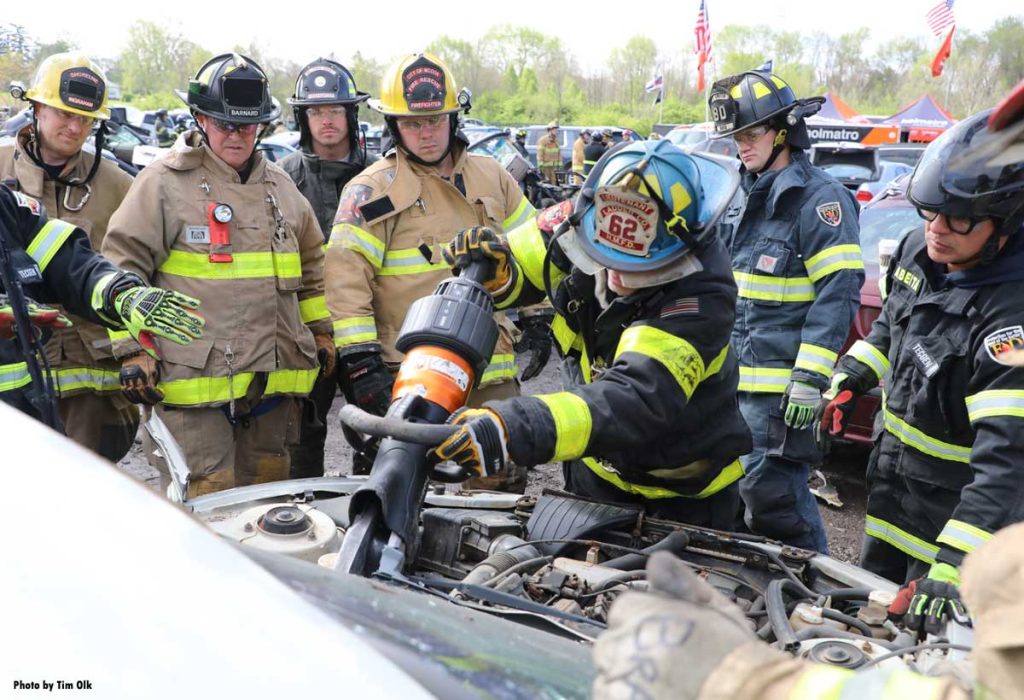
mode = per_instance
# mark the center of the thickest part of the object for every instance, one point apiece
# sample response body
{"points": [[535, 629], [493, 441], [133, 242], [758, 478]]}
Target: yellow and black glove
{"points": [[936, 599], [480, 445], [38, 315], [151, 311], [481, 243], [139, 377]]}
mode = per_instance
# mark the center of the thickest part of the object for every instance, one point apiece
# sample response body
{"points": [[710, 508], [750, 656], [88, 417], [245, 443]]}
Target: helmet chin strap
{"points": [[777, 145], [452, 128]]}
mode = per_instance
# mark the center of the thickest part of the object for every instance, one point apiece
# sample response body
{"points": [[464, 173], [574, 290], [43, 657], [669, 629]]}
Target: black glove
{"points": [[936, 599], [537, 341], [481, 243], [139, 377], [367, 382]]}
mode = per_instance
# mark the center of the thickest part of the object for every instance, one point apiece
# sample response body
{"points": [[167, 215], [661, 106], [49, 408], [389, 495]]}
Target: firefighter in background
{"points": [[46, 161], [946, 471], [644, 300], [326, 108], [213, 219], [56, 265], [710, 653], [797, 262], [578, 147], [393, 220], [549, 154], [593, 151]]}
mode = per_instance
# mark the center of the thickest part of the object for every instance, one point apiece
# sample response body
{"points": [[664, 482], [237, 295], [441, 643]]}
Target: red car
{"points": [[889, 216]]}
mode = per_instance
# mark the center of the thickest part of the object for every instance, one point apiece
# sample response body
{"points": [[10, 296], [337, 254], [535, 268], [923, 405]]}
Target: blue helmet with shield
{"points": [[645, 207]]}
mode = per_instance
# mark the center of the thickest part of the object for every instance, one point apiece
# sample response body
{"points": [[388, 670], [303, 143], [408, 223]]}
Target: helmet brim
{"points": [[358, 99], [377, 106], [265, 119]]}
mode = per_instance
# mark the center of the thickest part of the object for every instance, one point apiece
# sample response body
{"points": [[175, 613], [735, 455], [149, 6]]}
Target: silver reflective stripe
{"points": [[48, 241], [871, 356], [14, 376], [909, 435], [86, 378], [963, 536], [785, 287], [500, 368], [900, 539], [995, 402]]}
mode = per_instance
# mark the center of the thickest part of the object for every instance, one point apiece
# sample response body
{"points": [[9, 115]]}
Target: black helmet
{"points": [[521, 134], [757, 97], [231, 87], [325, 82], [952, 180]]}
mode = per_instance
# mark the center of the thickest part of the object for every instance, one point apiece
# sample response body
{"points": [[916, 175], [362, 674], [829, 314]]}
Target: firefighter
{"points": [[549, 154], [520, 143], [326, 108], [644, 300], [56, 265], [393, 219], [163, 129], [578, 147], [46, 161], [593, 151], [797, 262], [686, 641], [215, 220], [945, 472]]}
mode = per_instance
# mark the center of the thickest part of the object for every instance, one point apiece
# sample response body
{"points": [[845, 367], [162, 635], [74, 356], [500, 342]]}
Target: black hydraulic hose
{"points": [[430, 434], [535, 563], [847, 593], [777, 618], [675, 542], [848, 620], [774, 558]]}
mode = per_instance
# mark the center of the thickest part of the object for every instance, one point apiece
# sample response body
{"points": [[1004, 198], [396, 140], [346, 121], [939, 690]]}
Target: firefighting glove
{"points": [[799, 404], [480, 446], [537, 341], [38, 315], [326, 355], [836, 407], [936, 599], [367, 382], [481, 243], [665, 643], [139, 377], [151, 311]]}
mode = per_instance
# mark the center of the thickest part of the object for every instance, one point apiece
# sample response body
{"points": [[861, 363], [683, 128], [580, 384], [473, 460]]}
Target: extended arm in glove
{"points": [[480, 446], [481, 243], [151, 311], [936, 599], [799, 404]]}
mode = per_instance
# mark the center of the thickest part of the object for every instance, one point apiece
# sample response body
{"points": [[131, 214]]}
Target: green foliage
{"points": [[520, 75]]}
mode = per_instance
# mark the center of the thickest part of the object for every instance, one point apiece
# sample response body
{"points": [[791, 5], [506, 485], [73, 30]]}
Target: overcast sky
{"points": [[386, 30]]}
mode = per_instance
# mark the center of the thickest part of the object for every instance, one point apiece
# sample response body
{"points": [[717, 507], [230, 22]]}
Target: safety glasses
{"points": [[750, 135], [961, 225], [415, 126], [231, 127]]}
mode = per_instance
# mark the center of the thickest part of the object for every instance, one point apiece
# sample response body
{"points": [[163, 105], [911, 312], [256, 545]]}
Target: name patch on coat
{"points": [[831, 213], [925, 362], [197, 234], [1005, 346], [907, 278]]}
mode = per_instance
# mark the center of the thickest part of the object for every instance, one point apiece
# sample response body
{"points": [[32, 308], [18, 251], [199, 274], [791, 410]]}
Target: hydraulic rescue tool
{"points": [[448, 339]]}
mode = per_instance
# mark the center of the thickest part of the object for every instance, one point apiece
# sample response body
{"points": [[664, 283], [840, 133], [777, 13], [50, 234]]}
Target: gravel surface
{"points": [[844, 470]]}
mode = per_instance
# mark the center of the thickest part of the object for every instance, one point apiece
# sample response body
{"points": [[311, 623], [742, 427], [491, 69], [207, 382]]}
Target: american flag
{"points": [[702, 32], [656, 83], [940, 18], [702, 46]]}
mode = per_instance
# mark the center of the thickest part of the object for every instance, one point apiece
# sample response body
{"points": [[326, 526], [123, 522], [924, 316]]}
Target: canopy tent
{"points": [[923, 120], [834, 108]]}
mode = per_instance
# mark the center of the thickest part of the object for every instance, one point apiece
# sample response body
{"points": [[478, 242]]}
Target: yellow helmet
{"points": [[419, 84], [71, 82]]}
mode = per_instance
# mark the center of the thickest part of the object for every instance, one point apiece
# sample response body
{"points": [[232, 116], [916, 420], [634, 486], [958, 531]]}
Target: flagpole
{"points": [[661, 102]]}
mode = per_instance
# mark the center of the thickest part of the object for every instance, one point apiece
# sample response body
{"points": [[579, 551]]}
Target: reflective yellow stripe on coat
{"points": [[48, 241], [14, 376], [207, 390], [242, 266]]}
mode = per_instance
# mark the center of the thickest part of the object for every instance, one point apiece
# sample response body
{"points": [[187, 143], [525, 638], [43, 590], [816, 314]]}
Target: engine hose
{"points": [[846, 593], [675, 542], [777, 618], [847, 620], [534, 563], [500, 561], [430, 434]]}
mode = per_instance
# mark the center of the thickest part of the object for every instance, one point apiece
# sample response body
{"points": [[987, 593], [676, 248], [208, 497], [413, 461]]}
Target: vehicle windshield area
{"points": [[848, 171], [885, 221]]}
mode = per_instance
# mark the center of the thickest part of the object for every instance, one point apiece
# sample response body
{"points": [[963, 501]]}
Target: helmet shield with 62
{"points": [[645, 206]]}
